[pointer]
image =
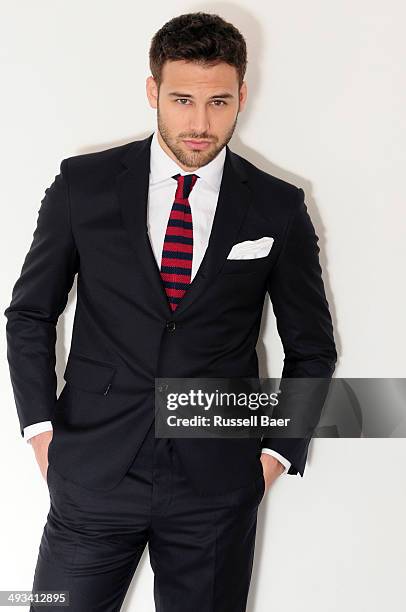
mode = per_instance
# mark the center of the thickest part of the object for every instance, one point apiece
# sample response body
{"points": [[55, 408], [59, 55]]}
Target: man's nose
{"points": [[199, 122]]}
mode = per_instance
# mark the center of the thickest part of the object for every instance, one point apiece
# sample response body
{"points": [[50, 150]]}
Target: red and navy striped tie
{"points": [[177, 251]]}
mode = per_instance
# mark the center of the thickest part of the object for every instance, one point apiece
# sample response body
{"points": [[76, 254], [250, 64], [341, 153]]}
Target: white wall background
{"points": [[326, 111]]}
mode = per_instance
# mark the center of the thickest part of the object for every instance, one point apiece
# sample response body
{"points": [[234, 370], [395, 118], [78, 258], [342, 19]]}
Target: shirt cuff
{"points": [[37, 428], [279, 457]]}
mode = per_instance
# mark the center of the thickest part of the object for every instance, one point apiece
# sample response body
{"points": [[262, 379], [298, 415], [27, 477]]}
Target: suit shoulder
{"points": [[266, 178], [270, 189], [98, 163]]}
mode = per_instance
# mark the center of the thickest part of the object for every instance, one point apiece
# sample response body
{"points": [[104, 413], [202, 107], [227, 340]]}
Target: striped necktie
{"points": [[177, 251]]}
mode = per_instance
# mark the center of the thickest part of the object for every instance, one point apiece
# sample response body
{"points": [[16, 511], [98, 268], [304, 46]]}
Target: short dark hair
{"points": [[204, 38]]}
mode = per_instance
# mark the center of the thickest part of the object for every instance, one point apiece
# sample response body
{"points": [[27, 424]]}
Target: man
{"points": [[175, 241]]}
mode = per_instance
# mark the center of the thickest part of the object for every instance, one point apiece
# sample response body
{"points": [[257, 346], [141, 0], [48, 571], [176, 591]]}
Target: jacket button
{"points": [[170, 325]]}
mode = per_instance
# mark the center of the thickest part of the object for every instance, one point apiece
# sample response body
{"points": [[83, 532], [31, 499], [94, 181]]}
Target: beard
{"points": [[193, 159]]}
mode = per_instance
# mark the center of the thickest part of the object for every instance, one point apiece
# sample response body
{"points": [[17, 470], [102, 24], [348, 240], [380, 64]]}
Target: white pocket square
{"points": [[251, 249]]}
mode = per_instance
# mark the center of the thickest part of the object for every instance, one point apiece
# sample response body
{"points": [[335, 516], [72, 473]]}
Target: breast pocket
{"points": [[245, 266]]}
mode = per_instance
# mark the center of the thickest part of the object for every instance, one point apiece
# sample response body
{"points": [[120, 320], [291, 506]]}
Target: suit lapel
{"points": [[232, 207]]}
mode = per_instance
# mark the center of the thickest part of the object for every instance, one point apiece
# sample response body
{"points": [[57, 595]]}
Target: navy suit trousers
{"points": [[201, 548]]}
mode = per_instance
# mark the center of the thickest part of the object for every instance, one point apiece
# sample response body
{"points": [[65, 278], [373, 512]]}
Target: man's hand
{"points": [[272, 469], [40, 444]]}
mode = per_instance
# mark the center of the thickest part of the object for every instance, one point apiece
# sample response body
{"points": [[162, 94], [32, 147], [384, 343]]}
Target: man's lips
{"points": [[197, 144]]}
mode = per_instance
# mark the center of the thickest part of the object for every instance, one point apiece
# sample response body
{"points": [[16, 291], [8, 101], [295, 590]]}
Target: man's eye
{"points": [[181, 100]]}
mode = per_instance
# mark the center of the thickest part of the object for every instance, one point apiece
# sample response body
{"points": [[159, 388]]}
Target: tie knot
{"points": [[186, 182]]}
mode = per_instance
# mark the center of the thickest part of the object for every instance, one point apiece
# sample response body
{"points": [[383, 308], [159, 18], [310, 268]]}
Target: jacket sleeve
{"points": [[38, 298], [303, 320]]}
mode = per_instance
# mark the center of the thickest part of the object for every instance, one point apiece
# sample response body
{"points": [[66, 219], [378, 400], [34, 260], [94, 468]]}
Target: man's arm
{"points": [[36, 428], [39, 297], [296, 289], [282, 460]]}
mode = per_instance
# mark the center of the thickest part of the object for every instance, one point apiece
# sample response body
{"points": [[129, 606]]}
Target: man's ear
{"points": [[152, 92], [243, 94]]}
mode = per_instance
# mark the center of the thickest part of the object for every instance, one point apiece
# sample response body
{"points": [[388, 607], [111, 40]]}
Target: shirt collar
{"points": [[163, 167]]}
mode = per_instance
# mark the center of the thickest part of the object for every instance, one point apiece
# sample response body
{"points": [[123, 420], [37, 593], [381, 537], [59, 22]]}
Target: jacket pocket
{"points": [[245, 266], [89, 374]]}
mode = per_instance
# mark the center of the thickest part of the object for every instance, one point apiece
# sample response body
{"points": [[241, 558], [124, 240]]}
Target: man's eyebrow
{"points": [[183, 95]]}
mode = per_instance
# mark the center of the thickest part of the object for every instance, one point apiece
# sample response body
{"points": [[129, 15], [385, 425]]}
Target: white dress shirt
{"points": [[203, 201]]}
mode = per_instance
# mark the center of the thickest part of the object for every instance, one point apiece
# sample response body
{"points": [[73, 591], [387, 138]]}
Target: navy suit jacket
{"points": [[92, 222]]}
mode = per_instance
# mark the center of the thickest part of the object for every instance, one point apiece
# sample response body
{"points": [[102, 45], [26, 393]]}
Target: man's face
{"points": [[198, 103]]}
